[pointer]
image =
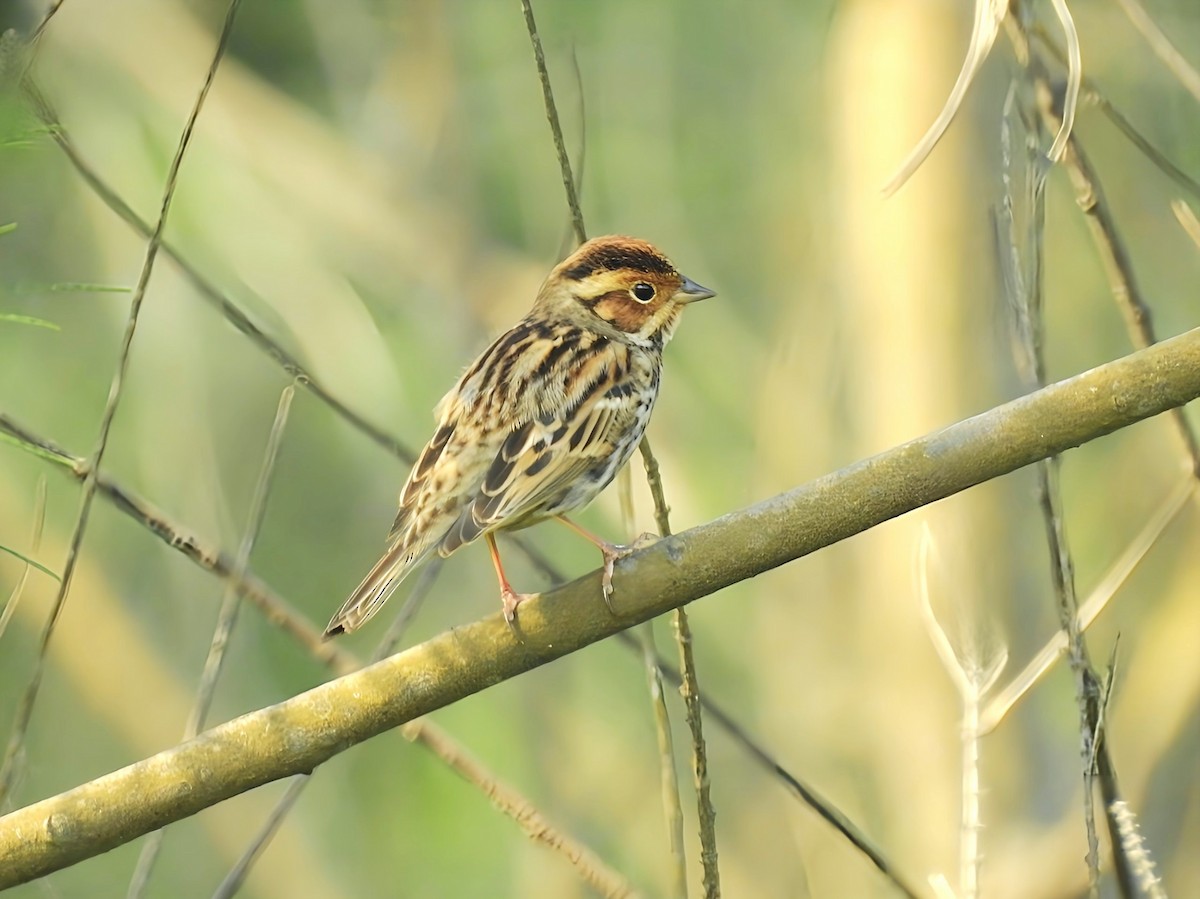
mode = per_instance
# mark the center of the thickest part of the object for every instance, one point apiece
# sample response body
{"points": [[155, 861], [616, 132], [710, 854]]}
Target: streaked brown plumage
{"points": [[542, 421]]}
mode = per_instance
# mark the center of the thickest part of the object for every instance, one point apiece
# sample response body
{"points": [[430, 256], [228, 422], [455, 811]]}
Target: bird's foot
{"points": [[614, 552], [510, 599]]}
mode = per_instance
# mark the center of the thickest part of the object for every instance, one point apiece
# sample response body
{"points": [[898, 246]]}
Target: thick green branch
{"points": [[299, 734]]}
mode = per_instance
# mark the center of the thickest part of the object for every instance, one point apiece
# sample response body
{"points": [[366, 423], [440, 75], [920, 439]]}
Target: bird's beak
{"points": [[690, 291]]}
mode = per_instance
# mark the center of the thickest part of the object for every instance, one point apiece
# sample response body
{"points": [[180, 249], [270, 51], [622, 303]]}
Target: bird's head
{"points": [[620, 286]]}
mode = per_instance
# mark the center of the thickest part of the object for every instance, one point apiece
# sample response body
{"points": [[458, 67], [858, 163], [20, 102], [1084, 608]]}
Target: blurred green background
{"points": [[375, 185]]}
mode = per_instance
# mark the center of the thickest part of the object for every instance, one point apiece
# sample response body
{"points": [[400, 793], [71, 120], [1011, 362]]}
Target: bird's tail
{"points": [[381, 581]]}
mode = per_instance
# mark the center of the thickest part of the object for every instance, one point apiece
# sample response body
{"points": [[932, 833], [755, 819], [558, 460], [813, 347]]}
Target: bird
{"points": [[541, 422]]}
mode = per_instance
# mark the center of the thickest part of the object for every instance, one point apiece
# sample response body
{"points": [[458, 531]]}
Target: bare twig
{"points": [[683, 633], [35, 543], [668, 782], [1166, 52], [1145, 884], [29, 698], [300, 733], [233, 881], [1093, 96], [54, 7], [1029, 303], [280, 613], [275, 608], [690, 689], [268, 345], [1101, 223], [1018, 687], [1181, 178], [560, 147], [594, 871], [973, 674], [668, 779], [1062, 572], [1187, 220], [231, 603], [807, 794], [427, 735]]}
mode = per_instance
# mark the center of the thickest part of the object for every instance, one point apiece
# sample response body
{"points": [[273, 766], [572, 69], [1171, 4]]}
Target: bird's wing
{"points": [[533, 415], [574, 437], [444, 479]]}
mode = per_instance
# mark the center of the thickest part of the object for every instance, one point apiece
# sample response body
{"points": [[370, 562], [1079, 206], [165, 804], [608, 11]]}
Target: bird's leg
{"points": [[612, 552], [508, 596]]}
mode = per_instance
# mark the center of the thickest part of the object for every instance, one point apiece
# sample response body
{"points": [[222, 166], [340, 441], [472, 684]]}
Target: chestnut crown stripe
{"points": [[615, 257]]}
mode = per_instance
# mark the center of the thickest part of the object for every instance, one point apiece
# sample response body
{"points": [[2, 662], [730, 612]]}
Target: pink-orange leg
{"points": [[611, 552], [508, 596]]}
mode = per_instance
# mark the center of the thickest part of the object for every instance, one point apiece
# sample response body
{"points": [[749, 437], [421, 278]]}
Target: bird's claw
{"points": [[613, 553], [510, 599]]}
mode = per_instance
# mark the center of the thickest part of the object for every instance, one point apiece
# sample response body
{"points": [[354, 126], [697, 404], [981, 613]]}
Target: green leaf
{"points": [[35, 450], [11, 226], [28, 561], [70, 287], [28, 320]]}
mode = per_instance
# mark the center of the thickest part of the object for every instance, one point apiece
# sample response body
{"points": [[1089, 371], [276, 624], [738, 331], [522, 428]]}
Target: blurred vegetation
{"points": [[374, 184]]}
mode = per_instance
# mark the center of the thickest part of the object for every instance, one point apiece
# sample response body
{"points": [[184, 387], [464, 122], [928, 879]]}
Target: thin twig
{"points": [[668, 779], [279, 612], [1187, 220], [560, 147], [29, 698], [1145, 883], [302, 732], [1101, 223], [668, 782], [55, 6], [233, 881], [1093, 96], [35, 543], [1029, 304], [231, 603], [973, 675], [1125, 865], [1135, 137], [1166, 52], [707, 815], [570, 238], [17, 55], [603, 879], [208, 556], [690, 690], [259, 842], [207, 290], [1062, 570], [807, 794], [1019, 687]]}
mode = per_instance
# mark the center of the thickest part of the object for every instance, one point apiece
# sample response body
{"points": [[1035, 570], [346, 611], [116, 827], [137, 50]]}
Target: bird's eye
{"points": [[643, 292]]}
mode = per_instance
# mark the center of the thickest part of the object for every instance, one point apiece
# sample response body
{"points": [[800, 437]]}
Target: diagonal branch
{"points": [[302, 732], [279, 612], [1101, 222], [115, 392], [208, 290]]}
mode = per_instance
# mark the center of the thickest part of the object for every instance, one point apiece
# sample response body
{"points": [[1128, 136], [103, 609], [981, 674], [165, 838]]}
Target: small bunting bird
{"points": [[543, 420]]}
